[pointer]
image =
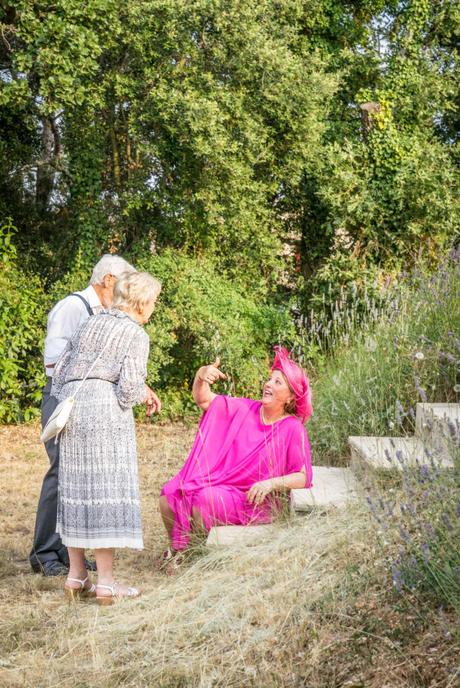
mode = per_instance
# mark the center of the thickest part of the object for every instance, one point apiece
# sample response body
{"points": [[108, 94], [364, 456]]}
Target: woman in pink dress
{"points": [[245, 451]]}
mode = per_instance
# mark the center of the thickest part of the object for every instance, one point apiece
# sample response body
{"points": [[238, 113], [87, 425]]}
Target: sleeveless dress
{"points": [[98, 491]]}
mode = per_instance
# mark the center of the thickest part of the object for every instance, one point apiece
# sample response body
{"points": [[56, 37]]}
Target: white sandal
{"points": [[170, 561], [115, 596], [76, 594]]}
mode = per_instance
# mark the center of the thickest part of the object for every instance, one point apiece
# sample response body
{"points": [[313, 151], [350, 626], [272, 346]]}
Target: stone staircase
{"points": [[436, 424]]}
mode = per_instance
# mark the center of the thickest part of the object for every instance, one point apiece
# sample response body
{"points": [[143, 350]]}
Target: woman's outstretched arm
{"points": [[204, 378]]}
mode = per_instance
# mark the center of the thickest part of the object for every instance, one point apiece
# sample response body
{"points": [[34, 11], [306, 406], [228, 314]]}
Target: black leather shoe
{"points": [[90, 565], [53, 568]]}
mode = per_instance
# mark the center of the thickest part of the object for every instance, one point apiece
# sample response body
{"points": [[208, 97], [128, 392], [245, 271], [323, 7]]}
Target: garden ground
{"points": [[312, 607]]}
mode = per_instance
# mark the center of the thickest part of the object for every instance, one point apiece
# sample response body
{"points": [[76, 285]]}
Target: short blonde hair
{"points": [[133, 289]]}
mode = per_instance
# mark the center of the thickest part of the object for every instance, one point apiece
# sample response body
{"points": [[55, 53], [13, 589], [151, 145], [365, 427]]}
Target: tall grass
{"points": [[373, 360], [419, 522]]}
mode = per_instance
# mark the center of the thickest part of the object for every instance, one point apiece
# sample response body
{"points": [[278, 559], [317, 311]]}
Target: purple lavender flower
{"points": [[412, 561], [424, 473], [420, 390], [373, 509], [453, 429], [399, 412], [446, 520], [426, 553], [397, 577], [405, 535]]}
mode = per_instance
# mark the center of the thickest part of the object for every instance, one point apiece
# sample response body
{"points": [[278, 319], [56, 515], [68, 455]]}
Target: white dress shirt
{"points": [[63, 320]]}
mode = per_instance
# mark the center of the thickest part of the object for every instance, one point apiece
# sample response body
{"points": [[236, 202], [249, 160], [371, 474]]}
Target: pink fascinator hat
{"points": [[297, 381]]}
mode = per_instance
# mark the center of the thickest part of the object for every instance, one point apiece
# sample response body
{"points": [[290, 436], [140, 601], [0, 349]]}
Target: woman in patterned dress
{"points": [[98, 494]]}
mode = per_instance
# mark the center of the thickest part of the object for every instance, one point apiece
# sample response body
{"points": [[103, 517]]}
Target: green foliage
{"points": [[386, 192], [22, 317], [382, 362], [59, 43], [231, 133], [201, 315]]}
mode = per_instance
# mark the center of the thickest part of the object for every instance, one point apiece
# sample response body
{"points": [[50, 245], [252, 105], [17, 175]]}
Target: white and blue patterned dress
{"points": [[98, 494]]}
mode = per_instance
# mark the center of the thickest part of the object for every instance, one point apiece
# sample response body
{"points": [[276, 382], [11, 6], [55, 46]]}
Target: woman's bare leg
{"points": [[104, 561], [198, 522], [167, 515], [77, 568]]}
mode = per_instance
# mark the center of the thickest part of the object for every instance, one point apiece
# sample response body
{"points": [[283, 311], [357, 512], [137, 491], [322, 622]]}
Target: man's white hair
{"points": [[110, 265]]}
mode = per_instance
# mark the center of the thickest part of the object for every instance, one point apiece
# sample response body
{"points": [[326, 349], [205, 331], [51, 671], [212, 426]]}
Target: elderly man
{"points": [[48, 554]]}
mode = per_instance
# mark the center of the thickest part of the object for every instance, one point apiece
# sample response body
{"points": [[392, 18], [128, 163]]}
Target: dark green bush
{"points": [[202, 314], [22, 328]]}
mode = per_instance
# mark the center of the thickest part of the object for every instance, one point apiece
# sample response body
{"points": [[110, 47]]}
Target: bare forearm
{"points": [[204, 378], [283, 483], [201, 392], [289, 482]]}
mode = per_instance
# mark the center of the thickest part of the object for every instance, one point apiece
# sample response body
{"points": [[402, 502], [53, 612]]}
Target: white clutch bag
{"points": [[57, 420]]}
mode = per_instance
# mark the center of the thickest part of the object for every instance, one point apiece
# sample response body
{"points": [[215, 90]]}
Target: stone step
{"points": [[332, 487], [220, 536], [392, 452]]}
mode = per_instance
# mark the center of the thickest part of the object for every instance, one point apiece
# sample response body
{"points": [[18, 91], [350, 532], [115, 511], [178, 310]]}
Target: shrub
{"points": [[202, 314], [22, 330], [371, 367]]}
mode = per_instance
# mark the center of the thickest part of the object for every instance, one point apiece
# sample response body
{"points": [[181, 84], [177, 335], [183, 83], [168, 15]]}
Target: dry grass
{"points": [[311, 607]]}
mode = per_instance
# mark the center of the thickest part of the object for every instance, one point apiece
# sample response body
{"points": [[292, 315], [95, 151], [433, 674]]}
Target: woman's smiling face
{"points": [[276, 392]]}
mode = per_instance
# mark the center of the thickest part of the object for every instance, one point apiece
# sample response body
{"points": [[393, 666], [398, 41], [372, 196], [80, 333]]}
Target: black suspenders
{"points": [[88, 307]]}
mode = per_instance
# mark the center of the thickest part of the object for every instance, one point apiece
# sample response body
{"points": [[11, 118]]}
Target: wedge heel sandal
{"points": [[115, 596], [80, 593]]}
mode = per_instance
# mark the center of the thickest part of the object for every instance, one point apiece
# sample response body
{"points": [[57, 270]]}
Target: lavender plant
{"points": [[370, 365], [419, 522]]}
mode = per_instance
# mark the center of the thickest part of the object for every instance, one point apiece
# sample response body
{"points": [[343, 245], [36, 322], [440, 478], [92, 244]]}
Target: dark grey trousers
{"points": [[47, 545]]}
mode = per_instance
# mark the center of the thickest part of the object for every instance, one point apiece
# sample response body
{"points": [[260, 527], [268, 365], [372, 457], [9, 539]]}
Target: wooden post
{"points": [[367, 110]]}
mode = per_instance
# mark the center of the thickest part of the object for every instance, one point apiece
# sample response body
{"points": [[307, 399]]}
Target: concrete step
{"points": [[332, 487], [392, 452], [220, 536], [439, 426]]}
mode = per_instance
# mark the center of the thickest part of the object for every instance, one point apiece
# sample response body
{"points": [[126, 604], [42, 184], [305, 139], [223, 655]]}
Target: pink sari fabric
{"points": [[232, 450]]}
